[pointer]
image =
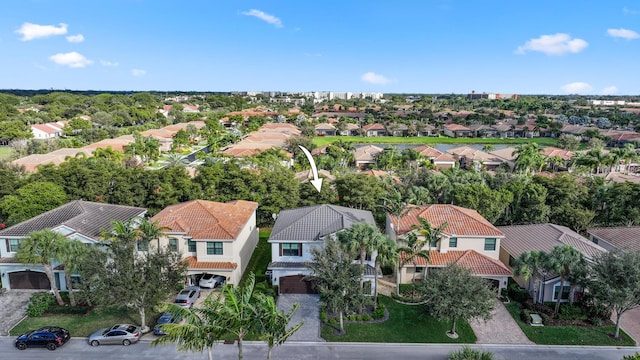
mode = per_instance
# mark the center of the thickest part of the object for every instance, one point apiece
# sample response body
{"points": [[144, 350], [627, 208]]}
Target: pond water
{"points": [[439, 147]]}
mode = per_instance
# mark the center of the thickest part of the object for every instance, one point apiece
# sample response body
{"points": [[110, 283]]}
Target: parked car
{"points": [[187, 296], [165, 318], [51, 337], [124, 334], [211, 281]]}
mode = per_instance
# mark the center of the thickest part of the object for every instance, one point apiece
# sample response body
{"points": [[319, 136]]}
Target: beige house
{"points": [[468, 240], [212, 237]]}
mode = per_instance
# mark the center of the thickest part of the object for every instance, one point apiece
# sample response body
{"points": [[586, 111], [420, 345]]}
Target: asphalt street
{"points": [[78, 349]]}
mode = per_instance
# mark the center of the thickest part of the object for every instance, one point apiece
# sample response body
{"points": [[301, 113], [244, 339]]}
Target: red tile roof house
{"points": [[79, 220], [439, 159], [375, 130], [544, 237], [366, 155], [48, 130], [212, 237], [456, 131], [468, 240], [325, 130]]}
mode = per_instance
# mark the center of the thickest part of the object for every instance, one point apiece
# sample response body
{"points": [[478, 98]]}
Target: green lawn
{"points": [[569, 335], [79, 325], [406, 324], [324, 140], [5, 152], [261, 256]]}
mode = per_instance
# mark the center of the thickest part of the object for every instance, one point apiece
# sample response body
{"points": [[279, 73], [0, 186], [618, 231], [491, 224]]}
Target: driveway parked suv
{"points": [[187, 296]]}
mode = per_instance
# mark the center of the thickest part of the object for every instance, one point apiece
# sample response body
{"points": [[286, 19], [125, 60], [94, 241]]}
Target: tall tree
{"points": [[32, 199], [42, 248], [359, 239], [453, 293], [273, 324], [528, 266], [69, 254], [615, 282], [562, 260], [386, 255], [528, 157], [239, 310]]}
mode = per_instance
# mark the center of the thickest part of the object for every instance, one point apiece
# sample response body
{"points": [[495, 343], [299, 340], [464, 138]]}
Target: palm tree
{"points": [[562, 260], [413, 250], [360, 238], [528, 157], [273, 323], [431, 235], [201, 328], [395, 205], [239, 310], [68, 253], [150, 230], [527, 265], [41, 248], [176, 160], [387, 255]]}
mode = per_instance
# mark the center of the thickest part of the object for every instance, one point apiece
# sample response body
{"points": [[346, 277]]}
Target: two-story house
{"points": [[467, 239], [299, 230], [79, 220], [212, 237]]}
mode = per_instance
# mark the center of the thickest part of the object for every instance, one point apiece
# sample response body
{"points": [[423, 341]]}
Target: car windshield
{"points": [[131, 329], [165, 319], [207, 276]]}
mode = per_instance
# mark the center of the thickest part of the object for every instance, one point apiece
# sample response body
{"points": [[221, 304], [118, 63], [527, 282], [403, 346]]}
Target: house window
{"points": [[173, 244], [565, 292], [489, 244], [214, 248], [512, 261], [13, 245], [291, 249], [192, 245], [143, 245], [419, 269], [366, 287], [453, 242]]}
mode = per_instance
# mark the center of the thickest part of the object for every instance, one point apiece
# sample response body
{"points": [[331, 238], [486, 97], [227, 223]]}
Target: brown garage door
{"points": [[296, 284], [29, 280]]}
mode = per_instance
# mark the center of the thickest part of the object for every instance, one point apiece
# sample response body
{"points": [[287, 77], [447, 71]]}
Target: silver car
{"points": [[124, 334], [187, 296]]}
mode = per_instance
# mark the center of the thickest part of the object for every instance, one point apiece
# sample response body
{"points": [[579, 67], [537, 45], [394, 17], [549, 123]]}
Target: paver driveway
{"points": [[13, 307], [309, 312], [500, 329]]}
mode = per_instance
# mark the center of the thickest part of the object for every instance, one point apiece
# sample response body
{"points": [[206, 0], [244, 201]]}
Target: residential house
{"points": [[56, 157], [375, 130], [365, 156], [426, 130], [212, 237], [350, 130], [469, 157], [325, 130], [456, 131], [625, 238], [439, 159], [298, 231], [484, 131], [467, 239], [565, 156], [48, 130], [398, 129], [79, 220], [520, 239]]}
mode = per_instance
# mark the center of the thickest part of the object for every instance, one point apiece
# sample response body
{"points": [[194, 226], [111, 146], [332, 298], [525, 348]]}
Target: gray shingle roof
{"points": [[544, 237], [623, 237], [86, 218], [312, 222]]}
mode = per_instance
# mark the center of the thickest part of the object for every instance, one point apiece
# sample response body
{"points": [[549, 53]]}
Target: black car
{"points": [[51, 337]]}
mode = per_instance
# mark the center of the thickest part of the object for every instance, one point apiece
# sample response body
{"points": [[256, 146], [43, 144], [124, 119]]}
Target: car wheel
{"points": [[94, 343], [52, 346], [126, 342], [22, 346]]}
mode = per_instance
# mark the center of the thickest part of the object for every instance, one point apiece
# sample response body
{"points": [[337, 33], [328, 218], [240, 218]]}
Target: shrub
{"points": [[323, 316], [379, 312], [470, 354], [365, 317], [569, 312], [525, 316], [635, 356], [334, 320], [39, 303], [407, 289], [517, 294], [351, 317], [546, 319]]}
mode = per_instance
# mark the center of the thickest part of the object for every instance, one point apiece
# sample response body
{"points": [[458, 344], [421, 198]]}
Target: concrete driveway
{"points": [[13, 307], [630, 323], [500, 329], [309, 312]]}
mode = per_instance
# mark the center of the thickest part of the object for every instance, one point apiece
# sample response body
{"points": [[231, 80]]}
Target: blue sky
{"points": [[421, 46]]}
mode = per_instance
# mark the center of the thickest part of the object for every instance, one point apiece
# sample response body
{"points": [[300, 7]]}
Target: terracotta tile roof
{"points": [[474, 155], [201, 219], [478, 264], [325, 127], [622, 237], [374, 127], [367, 153], [48, 128], [425, 150], [193, 263], [116, 144], [506, 153], [551, 151], [56, 157], [544, 237], [457, 127], [460, 221], [620, 177]]}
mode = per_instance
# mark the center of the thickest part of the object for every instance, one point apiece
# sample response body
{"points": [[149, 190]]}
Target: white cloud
{"points": [[71, 59], [109, 63], [577, 88], [374, 78], [557, 44], [609, 90], [628, 11], [75, 38], [264, 17], [31, 31], [623, 33], [138, 72]]}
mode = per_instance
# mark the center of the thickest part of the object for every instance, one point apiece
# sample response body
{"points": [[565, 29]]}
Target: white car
{"points": [[211, 281]]}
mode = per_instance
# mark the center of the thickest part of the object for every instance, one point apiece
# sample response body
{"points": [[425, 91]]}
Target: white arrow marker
{"points": [[316, 182]]}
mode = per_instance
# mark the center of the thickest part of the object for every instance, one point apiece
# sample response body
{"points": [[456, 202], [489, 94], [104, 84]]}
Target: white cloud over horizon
{"points": [[31, 31], [623, 33], [609, 90], [75, 38], [138, 72], [71, 59], [268, 18], [577, 88], [373, 78], [628, 11], [556, 44], [109, 63]]}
